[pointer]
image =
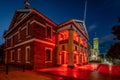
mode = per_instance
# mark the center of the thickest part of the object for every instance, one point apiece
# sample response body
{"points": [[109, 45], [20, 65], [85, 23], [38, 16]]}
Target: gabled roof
{"points": [[79, 24], [18, 16], [22, 14]]}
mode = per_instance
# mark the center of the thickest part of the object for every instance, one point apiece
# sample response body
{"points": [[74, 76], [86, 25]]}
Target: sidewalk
{"points": [[27, 75], [87, 72]]}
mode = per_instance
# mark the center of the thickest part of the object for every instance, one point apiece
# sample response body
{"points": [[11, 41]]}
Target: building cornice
{"points": [[31, 40], [31, 11], [73, 22], [16, 25]]}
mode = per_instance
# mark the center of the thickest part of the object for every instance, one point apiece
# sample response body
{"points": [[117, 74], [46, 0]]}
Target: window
{"points": [[63, 47], [11, 41], [81, 41], [27, 58], [12, 56], [19, 55], [76, 48], [19, 35], [49, 33], [75, 36], [48, 55], [63, 35], [6, 42], [28, 29]]}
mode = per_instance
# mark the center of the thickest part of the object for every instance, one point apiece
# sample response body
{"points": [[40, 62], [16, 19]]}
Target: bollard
{"points": [[23, 67], [6, 70]]}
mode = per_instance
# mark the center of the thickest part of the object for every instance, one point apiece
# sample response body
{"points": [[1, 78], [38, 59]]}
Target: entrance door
{"points": [[64, 59], [75, 58]]}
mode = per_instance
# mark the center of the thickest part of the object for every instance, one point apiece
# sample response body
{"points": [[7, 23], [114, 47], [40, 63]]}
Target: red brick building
{"points": [[37, 42]]}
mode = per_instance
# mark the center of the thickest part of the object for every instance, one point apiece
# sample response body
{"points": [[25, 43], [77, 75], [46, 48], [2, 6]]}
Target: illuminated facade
{"points": [[37, 42], [72, 44]]}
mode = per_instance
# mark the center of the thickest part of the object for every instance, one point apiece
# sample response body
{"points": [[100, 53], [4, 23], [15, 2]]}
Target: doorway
{"points": [[64, 57]]}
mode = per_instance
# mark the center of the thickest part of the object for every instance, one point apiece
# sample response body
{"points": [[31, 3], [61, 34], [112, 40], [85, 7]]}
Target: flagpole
{"points": [[85, 11]]}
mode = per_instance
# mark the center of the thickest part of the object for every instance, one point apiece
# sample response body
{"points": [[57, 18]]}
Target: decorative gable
{"points": [[18, 16], [82, 26], [78, 24], [23, 14]]}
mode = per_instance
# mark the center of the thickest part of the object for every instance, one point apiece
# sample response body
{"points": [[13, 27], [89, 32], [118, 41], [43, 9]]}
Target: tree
{"points": [[116, 30], [114, 51], [101, 56]]}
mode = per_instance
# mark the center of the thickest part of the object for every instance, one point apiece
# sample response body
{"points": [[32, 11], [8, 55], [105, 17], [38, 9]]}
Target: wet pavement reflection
{"points": [[87, 72]]}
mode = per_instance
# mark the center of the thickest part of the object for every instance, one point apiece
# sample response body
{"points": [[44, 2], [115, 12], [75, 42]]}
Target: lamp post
{"points": [[6, 68], [23, 67]]}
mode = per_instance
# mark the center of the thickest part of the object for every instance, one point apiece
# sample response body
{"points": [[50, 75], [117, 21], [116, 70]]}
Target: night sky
{"points": [[101, 15]]}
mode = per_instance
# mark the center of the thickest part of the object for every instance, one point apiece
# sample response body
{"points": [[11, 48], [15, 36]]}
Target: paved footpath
{"points": [[27, 75], [87, 72], [15, 73]]}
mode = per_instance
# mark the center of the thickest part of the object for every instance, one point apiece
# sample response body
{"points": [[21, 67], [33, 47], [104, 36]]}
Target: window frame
{"points": [[19, 55], [12, 55], [50, 54], [48, 27], [19, 35], [26, 55], [28, 29]]}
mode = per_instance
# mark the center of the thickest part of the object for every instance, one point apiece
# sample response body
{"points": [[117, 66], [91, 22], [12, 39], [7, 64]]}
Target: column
{"points": [[70, 49], [58, 50], [79, 56], [58, 55]]}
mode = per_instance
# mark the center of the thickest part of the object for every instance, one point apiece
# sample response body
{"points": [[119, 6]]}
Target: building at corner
{"points": [[72, 43], [37, 42]]}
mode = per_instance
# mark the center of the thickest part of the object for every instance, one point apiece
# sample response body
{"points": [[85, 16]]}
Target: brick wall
{"points": [[39, 56]]}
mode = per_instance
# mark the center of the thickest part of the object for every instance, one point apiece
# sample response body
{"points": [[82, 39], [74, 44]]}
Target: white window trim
{"points": [[18, 55], [26, 55], [50, 54], [11, 56]]}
